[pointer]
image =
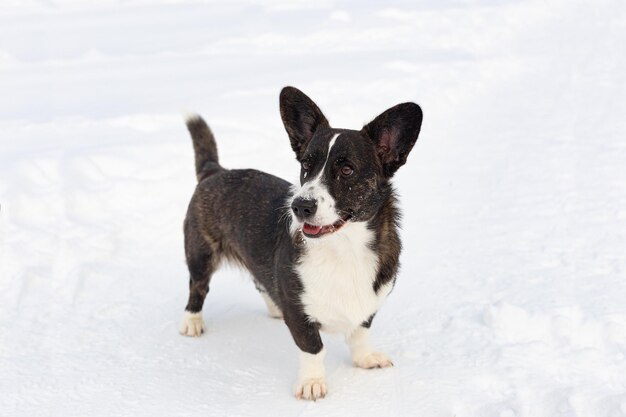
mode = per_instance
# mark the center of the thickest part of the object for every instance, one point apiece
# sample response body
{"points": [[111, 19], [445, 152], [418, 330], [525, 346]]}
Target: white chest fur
{"points": [[338, 273]]}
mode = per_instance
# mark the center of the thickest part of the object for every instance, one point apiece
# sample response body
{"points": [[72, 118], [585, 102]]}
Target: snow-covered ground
{"points": [[512, 296]]}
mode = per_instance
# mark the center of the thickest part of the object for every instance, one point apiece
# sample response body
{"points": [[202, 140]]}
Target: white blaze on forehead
{"points": [[316, 180], [330, 146]]}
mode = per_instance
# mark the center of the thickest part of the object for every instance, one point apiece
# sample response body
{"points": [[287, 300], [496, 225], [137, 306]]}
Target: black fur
{"points": [[394, 133], [204, 146], [301, 117], [242, 215]]}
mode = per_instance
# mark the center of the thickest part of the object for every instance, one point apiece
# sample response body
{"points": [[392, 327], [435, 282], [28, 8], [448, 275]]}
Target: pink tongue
{"points": [[311, 230]]}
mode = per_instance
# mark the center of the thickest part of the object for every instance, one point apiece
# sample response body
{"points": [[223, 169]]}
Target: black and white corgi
{"points": [[324, 255]]}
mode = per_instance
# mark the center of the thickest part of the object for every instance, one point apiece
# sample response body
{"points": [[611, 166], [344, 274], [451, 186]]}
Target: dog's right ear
{"points": [[394, 133], [301, 118]]}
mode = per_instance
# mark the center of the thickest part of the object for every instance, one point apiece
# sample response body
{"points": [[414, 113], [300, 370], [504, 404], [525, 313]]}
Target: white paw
{"points": [[192, 324], [311, 389], [372, 360]]}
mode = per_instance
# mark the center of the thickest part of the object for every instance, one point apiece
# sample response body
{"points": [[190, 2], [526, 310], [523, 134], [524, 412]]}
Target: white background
{"points": [[511, 300]]}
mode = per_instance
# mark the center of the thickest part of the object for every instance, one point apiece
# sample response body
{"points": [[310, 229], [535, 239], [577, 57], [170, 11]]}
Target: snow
{"points": [[510, 301]]}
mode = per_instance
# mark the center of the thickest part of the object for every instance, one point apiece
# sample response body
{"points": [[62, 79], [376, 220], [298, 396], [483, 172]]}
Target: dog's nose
{"points": [[303, 208]]}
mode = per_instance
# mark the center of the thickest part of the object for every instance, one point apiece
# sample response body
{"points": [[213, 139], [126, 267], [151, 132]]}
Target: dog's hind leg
{"points": [[202, 260], [272, 309], [363, 355]]}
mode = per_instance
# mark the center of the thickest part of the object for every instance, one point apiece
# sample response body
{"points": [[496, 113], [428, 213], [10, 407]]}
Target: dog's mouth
{"points": [[313, 231]]}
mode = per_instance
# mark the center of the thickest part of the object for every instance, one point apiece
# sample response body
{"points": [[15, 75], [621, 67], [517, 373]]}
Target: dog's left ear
{"points": [[301, 118], [394, 133]]}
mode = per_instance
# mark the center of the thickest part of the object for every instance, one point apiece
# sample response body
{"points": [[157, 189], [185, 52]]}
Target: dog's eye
{"points": [[346, 170], [306, 165]]}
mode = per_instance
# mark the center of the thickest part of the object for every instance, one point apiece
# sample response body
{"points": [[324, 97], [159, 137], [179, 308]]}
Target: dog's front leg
{"points": [[363, 355], [311, 383]]}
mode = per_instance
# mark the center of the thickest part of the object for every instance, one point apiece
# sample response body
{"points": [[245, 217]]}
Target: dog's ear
{"points": [[301, 118], [394, 133]]}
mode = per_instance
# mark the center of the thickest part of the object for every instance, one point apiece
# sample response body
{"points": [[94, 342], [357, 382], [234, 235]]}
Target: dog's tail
{"points": [[204, 146]]}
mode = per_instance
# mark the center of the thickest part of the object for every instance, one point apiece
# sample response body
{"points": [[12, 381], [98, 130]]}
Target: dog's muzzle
{"points": [[303, 208]]}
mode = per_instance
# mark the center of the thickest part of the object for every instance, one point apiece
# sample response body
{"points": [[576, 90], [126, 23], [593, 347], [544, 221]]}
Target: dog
{"points": [[324, 255]]}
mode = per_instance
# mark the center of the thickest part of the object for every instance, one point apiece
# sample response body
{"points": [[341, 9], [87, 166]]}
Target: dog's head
{"points": [[345, 173]]}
